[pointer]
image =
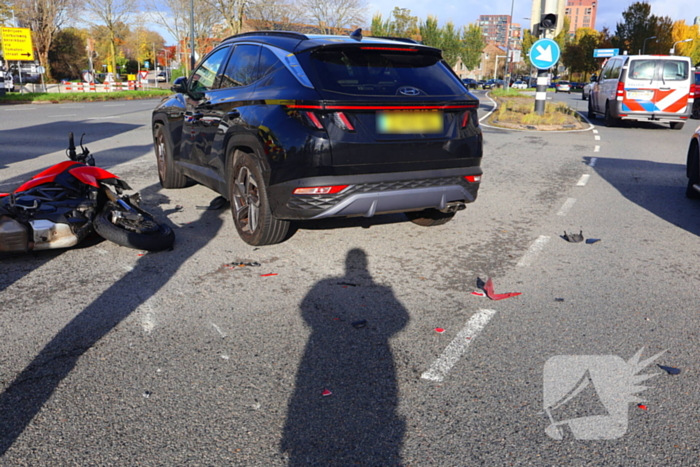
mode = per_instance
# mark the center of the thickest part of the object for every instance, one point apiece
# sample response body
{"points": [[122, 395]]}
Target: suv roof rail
{"points": [[400, 39], [290, 34]]}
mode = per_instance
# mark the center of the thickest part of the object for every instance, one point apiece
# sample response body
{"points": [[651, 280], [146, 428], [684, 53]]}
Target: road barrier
{"points": [[96, 87]]}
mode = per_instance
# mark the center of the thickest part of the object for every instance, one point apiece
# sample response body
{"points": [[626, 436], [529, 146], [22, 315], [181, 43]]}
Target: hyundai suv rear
{"points": [[292, 127]]}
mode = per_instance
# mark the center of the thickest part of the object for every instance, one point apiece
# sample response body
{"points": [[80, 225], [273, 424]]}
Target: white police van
{"points": [[643, 88]]}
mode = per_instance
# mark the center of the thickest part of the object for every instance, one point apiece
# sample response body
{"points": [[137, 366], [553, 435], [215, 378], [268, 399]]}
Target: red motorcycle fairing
{"points": [[91, 175], [85, 173], [2, 195]]}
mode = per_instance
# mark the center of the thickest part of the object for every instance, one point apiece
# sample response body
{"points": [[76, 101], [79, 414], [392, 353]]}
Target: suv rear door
{"points": [[657, 85], [403, 105]]}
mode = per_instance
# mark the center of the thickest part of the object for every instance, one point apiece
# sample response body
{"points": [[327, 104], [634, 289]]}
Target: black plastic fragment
{"points": [[558, 299], [573, 238], [359, 324], [592, 240], [349, 284], [480, 283], [670, 370]]}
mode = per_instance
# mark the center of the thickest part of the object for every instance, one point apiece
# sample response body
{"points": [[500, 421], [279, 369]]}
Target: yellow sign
{"points": [[17, 44], [131, 77]]}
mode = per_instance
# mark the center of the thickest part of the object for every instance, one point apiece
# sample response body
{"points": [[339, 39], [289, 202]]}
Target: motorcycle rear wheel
{"points": [[146, 235]]}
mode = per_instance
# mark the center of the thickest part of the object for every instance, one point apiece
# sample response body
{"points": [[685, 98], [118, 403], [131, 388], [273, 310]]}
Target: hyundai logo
{"points": [[409, 91]]}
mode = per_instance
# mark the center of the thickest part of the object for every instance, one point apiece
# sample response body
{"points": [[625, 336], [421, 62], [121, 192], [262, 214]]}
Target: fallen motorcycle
{"points": [[60, 206]]}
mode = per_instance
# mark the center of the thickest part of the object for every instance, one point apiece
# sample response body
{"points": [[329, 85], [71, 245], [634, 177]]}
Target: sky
{"points": [[468, 11]]}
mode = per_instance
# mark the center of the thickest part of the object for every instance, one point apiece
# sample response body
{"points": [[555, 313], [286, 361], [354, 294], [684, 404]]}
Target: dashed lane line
{"points": [[568, 204], [583, 180], [536, 247], [459, 345]]}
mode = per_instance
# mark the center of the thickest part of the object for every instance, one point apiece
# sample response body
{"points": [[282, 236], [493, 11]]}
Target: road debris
{"points": [[326, 392], [642, 406], [269, 274], [558, 299], [592, 240], [439, 330], [359, 324], [670, 370], [479, 294], [573, 238], [488, 288]]}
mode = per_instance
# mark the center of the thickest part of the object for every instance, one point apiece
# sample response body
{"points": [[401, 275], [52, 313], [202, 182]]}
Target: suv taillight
{"points": [[620, 89], [693, 91]]}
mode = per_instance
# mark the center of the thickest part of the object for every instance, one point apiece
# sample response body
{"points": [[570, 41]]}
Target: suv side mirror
{"points": [[179, 85], [594, 78]]}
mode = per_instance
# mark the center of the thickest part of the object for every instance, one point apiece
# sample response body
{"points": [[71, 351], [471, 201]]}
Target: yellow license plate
{"points": [[410, 122], [641, 95]]}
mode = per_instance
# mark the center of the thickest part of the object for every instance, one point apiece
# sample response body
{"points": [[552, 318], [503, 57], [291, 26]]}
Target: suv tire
{"points": [[591, 113], [429, 217], [168, 175], [693, 172], [250, 206]]}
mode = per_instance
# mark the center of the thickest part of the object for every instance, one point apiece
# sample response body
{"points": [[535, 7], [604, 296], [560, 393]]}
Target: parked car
{"points": [[692, 167], [493, 83], [161, 77], [643, 88], [470, 83], [586, 91], [290, 127], [696, 103], [562, 86], [519, 85]]}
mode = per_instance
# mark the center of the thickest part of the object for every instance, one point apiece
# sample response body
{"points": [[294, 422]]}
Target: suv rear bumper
{"points": [[369, 195]]}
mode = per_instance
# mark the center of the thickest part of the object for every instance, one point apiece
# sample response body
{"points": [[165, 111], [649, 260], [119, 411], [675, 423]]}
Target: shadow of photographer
{"points": [[348, 353]]}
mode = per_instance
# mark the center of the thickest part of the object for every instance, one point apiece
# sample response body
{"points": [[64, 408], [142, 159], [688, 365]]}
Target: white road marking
{"points": [[218, 329], [66, 115], [583, 180], [20, 108], [596, 149], [103, 118], [454, 351], [568, 204], [597, 137], [593, 161], [536, 247], [148, 321], [115, 105], [595, 132]]}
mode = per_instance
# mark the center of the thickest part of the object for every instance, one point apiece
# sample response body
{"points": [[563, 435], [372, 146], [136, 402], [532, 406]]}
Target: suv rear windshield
{"points": [[359, 71], [666, 70]]}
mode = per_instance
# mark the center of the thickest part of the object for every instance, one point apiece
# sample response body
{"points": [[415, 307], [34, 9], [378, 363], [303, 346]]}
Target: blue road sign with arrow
{"points": [[544, 54]]}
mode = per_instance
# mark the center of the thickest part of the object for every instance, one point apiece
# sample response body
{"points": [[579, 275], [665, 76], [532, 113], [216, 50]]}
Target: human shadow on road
{"points": [[348, 353], [29, 391], [655, 186]]}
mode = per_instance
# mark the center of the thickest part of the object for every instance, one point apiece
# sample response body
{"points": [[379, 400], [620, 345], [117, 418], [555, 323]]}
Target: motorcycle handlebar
{"points": [[71, 147]]}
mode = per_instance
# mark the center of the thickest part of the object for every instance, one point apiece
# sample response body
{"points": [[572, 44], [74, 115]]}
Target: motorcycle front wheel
{"points": [[142, 234]]}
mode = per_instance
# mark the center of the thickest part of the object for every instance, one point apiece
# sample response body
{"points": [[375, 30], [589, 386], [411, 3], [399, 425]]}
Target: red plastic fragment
{"points": [[440, 330], [479, 294], [642, 406], [266, 275], [488, 288], [326, 392]]}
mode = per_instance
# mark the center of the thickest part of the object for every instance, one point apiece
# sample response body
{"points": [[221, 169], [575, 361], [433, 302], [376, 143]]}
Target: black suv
{"points": [[290, 126]]}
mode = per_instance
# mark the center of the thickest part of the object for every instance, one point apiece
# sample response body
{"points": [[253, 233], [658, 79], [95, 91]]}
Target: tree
{"points": [[379, 27], [44, 18], [231, 11], [67, 54], [331, 16], [430, 33], [274, 14], [174, 16], [472, 45], [451, 44], [577, 57], [639, 25], [113, 15], [681, 31], [403, 24]]}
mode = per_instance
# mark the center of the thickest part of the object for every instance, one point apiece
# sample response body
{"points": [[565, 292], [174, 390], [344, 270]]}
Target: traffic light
{"points": [[548, 21]]}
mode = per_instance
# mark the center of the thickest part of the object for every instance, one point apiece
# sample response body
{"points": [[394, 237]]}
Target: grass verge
{"points": [[516, 110], [83, 96]]}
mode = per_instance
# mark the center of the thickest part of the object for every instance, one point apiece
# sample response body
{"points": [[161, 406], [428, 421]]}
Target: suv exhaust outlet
{"points": [[453, 207]]}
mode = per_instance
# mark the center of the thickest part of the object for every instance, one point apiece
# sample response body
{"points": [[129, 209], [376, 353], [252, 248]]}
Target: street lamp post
{"points": [[508, 26], [673, 49], [644, 47]]}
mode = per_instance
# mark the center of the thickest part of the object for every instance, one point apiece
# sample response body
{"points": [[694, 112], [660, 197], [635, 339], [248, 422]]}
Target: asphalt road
{"points": [[111, 357]]}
